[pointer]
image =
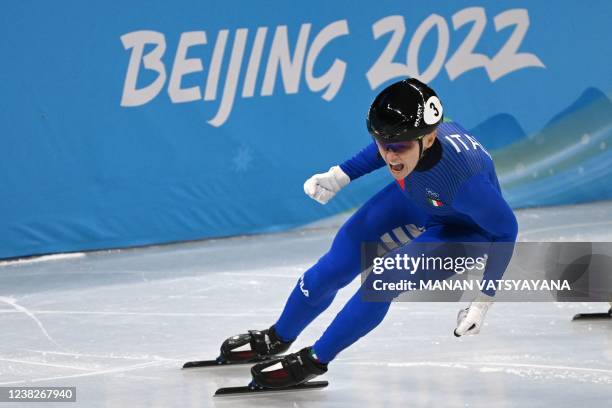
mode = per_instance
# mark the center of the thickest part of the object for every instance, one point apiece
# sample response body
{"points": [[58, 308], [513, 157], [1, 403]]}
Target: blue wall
{"points": [[213, 132]]}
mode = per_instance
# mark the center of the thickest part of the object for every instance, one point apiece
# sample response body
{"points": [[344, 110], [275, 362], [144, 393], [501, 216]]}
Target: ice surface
{"points": [[119, 324]]}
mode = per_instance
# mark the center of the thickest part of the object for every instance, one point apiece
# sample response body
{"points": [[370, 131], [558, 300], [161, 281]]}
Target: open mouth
{"points": [[396, 167]]}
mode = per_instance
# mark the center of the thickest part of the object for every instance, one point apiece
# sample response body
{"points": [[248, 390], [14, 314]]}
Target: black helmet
{"points": [[405, 110]]}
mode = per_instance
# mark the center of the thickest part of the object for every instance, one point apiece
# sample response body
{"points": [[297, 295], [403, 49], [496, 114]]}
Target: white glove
{"points": [[470, 320], [322, 187]]}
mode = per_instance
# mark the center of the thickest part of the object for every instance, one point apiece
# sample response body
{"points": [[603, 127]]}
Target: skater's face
{"points": [[402, 157]]}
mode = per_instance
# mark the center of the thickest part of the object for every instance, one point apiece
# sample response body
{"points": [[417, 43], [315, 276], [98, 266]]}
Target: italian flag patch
{"points": [[435, 203]]}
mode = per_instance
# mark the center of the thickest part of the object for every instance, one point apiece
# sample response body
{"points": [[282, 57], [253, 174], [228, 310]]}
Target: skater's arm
{"points": [[364, 162], [482, 202]]}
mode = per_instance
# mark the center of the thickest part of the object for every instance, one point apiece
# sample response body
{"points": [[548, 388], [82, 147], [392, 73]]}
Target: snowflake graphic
{"points": [[242, 159]]}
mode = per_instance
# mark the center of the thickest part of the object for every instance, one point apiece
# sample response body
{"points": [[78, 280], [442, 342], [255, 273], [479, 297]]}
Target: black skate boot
{"points": [[254, 346], [290, 370]]}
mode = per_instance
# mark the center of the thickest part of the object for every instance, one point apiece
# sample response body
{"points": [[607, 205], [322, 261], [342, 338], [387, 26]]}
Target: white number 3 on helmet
{"points": [[433, 110]]}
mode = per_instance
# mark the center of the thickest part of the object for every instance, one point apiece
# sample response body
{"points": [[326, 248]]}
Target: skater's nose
{"points": [[391, 155]]}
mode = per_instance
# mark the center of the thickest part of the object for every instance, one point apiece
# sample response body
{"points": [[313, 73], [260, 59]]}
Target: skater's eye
{"points": [[399, 147]]}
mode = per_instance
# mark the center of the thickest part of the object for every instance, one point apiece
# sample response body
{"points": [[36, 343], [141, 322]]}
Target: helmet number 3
{"points": [[433, 110]]}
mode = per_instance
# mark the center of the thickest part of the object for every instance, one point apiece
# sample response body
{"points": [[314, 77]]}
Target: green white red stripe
{"points": [[435, 203]]}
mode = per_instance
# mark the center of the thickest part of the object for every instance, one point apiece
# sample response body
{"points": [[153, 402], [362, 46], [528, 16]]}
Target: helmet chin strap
{"points": [[421, 151]]}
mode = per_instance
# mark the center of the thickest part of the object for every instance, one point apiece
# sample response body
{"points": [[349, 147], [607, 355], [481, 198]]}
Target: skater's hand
{"points": [[322, 187], [470, 320]]}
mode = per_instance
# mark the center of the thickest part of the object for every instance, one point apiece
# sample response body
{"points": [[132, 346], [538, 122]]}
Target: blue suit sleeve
{"points": [[364, 162], [482, 201]]}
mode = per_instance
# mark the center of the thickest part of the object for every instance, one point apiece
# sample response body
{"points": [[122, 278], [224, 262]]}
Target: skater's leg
{"points": [[356, 319], [317, 287], [359, 317]]}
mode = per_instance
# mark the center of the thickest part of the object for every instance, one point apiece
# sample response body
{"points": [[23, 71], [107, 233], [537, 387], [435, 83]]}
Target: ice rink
{"points": [[119, 324]]}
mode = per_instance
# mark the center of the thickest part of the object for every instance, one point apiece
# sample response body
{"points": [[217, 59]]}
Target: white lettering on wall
{"points": [[136, 41], [290, 61], [291, 68], [292, 55], [183, 66]]}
